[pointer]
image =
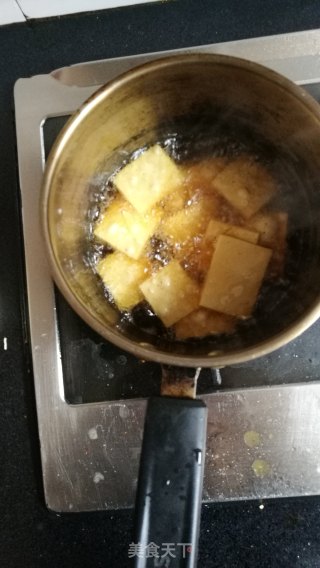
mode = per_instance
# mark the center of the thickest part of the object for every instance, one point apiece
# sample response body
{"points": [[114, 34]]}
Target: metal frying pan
{"points": [[204, 103]]}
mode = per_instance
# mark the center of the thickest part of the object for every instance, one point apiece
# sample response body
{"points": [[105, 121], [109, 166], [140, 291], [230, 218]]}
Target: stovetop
{"points": [[264, 415]]}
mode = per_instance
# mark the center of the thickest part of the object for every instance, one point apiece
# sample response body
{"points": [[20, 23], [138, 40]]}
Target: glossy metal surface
{"points": [[90, 452], [134, 107]]}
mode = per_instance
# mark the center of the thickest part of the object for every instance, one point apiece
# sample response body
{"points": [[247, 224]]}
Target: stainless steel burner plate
{"points": [[90, 450]]}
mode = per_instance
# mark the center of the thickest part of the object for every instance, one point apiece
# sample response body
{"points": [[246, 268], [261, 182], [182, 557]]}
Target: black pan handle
{"points": [[168, 502]]}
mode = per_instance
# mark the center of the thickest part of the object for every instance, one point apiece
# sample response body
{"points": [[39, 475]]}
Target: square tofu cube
{"points": [[191, 221], [171, 293], [122, 276], [174, 201], [216, 228], [197, 185], [201, 174], [272, 228], [235, 275], [148, 179], [246, 185], [196, 255], [203, 322], [124, 229]]}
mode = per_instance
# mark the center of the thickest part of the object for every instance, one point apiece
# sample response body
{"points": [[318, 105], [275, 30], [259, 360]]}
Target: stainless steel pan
{"points": [[201, 100]]}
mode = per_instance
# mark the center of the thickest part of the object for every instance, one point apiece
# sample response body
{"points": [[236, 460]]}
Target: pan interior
{"points": [[260, 117], [207, 133]]}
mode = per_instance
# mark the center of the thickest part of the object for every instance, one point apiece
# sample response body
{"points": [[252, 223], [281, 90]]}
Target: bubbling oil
{"points": [[193, 150]]}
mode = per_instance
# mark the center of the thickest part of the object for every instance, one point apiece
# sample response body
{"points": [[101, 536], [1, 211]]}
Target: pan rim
{"points": [[142, 350]]}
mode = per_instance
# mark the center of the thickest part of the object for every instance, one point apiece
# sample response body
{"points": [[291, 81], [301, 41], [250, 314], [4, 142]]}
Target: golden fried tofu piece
{"points": [[190, 221], [203, 322], [196, 254], [267, 226], [122, 276], [272, 227], [197, 186], [201, 174], [235, 275], [175, 200], [171, 293], [124, 229], [148, 179], [246, 185], [216, 228], [197, 182]]}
